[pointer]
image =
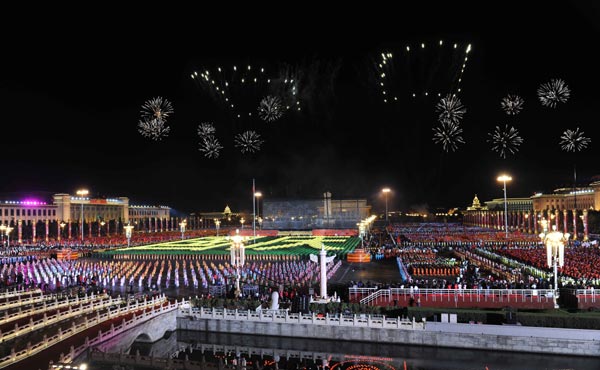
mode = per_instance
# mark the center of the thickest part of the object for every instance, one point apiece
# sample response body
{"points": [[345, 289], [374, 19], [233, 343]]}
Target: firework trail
{"points": [[248, 142], [206, 129], [210, 146], [154, 129], [270, 108], [512, 104], [157, 108], [553, 92], [449, 134], [574, 141], [505, 141], [450, 109]]}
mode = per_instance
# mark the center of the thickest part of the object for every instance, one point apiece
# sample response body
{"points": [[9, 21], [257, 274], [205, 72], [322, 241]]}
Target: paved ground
{"points": [[382, 271]]}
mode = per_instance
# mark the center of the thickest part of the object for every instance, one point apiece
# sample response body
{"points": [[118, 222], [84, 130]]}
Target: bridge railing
{"points": [[16, 356], [124, 326], [15, 293], [56, 304], [57, 317], [284, 316]]}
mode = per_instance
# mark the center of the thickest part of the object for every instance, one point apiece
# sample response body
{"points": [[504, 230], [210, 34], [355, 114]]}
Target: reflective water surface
{"points": [[272, 353]]}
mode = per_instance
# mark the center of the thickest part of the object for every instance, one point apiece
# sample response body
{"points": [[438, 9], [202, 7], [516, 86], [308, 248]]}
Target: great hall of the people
{"points": [[567, 209], [34, 220]]}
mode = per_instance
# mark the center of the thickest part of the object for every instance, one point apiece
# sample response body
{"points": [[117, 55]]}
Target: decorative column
{"points": [[47, 230], [585, 225], [108, 228], [565, 220], [69, 226], [574, 224], [20, 231], [155, 224], [90, 229], [535, 222], [58, 231], [528, 221], [557, 219], [33, 227]]}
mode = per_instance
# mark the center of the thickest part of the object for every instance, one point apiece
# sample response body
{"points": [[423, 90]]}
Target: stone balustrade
{"points": [[56, 304], [283, 316], [32, 349]]}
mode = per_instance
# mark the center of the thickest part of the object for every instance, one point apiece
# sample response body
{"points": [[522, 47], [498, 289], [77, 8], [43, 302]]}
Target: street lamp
{"points": [[62, 228], [257, 195], [7, 232], [555, 252], [82, 193], [102, 223], [238, 257], [182, 226], [217, 225], [2, 231], [385, 192], [242, 220], [128, 229], [504, 179]]}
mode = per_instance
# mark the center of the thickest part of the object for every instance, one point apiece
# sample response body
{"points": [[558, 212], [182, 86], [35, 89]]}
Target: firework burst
{"points": [[270, 108], [512, 104], [154, 128], [553, 92], [206, 129], [449, 134], [505, 141], [158, 108], [450, 109], [574, 141], [210, 146], [248, 142]]}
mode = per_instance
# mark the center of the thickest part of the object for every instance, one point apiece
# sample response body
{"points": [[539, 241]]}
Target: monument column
{"points": [[33, 227], [69, 224], [535, 222], [557, 219], [565, 221], [47, 230]]}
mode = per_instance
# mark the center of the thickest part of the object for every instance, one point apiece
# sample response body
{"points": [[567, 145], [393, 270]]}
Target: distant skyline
{"points": [[71, 99]]}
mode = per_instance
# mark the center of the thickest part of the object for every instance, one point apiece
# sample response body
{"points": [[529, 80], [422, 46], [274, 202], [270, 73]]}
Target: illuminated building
{"points": [[34, 220], [566, 208]]}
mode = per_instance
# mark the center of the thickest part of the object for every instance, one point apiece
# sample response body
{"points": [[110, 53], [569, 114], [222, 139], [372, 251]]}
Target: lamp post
{"points": [[128, 229], [217, 225], [504, 179], [182, 226], [2, 232], [555, 252], [257, 196], [82, 193], [385, 192], [102, 223], [7, 232], [62, 227], [238, 257], [242, 220]]}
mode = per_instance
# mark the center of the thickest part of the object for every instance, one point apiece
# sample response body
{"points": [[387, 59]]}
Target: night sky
{"points": [[71, 92]]}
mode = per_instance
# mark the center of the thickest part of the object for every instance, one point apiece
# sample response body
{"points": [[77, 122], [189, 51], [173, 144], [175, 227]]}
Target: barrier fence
{"points": [[374, 296]]}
